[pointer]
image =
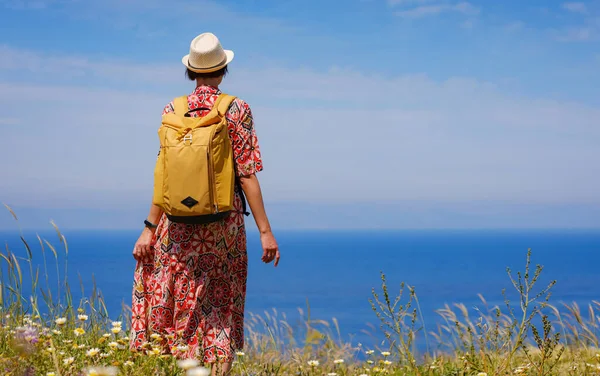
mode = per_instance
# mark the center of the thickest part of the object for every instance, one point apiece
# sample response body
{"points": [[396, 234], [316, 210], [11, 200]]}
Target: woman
{"points": [[190, 280]]}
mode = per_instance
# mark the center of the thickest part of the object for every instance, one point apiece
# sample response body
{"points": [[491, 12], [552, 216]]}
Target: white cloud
{"points": [[149, 17], [435, 9], [27, 4], [14, 59], [575, 7], [468, 24], [514, 26], [353, 137], [586, 29], [583, 28], [408, 2], [578, 34]]}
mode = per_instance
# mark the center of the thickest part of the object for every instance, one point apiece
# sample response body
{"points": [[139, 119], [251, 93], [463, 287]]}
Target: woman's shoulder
{"points": [[239, 109], [240, 104]]}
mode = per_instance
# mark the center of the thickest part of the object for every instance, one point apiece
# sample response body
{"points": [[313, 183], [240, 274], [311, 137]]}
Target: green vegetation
{"points": [[73, 338]]}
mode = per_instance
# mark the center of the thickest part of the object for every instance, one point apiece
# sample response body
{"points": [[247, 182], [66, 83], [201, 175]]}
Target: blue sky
{"points": [[371, 113]]}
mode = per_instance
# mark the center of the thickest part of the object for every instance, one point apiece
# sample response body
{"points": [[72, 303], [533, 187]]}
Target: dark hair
{"points": [[192, 76]]}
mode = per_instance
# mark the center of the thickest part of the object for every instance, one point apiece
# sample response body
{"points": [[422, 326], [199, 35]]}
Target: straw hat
{"points": [[206, 54]]}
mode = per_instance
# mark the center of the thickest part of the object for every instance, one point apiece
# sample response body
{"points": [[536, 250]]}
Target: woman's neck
{"points": [[214, 82]]}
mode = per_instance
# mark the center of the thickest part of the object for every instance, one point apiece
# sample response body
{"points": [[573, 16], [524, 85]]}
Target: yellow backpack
{"points": [[194, 176]]}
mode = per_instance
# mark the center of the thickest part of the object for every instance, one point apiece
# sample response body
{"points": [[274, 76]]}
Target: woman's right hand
{"points": [[142, 251]]}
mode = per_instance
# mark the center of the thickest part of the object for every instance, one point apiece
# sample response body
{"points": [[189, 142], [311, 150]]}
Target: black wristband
{"points": [[149, 224]]}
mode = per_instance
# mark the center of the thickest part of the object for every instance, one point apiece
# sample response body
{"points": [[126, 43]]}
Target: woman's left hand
{"points": [[270, 248]]}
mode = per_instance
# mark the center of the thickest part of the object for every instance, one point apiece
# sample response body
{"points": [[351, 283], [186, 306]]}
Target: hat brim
{"points": [[229, 57]]}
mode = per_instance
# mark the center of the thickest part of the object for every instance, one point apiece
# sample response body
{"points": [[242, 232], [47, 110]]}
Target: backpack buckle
{"points": [[188, 137]]}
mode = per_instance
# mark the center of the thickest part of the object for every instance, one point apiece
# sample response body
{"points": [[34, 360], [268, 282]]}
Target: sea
{"points": [[333, 274]]}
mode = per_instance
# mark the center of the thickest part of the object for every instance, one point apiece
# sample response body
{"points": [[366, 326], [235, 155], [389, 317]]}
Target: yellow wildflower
{"points": [[155, 351]]}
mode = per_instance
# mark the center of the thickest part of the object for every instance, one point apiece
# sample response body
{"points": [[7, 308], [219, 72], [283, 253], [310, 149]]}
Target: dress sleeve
{"points": [[244, 140], [168, 108]]}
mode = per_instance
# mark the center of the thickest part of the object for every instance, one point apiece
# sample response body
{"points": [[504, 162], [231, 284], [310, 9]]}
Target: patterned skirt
{"points": [[194, 292]]}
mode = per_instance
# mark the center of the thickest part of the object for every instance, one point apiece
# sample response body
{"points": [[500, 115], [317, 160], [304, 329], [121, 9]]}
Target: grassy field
{"points": [[44, 332]]}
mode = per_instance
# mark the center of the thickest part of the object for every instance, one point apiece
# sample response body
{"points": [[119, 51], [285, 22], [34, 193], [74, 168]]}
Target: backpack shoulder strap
{"points": [[218, 111], [223, 103], [180, 105]]}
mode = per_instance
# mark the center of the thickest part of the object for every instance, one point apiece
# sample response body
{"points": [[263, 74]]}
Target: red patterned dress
{"points": [[194, 292]]}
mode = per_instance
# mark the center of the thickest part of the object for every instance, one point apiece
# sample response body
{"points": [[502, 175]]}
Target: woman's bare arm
{"points": [[253, 193], [251, 188]]}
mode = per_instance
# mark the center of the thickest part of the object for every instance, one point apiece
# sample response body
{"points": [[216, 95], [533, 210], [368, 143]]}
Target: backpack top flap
{"points": [[177, 119]]}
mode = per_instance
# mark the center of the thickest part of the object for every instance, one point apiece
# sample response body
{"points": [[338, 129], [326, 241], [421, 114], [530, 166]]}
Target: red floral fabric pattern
{"points": [[194, 291]]}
